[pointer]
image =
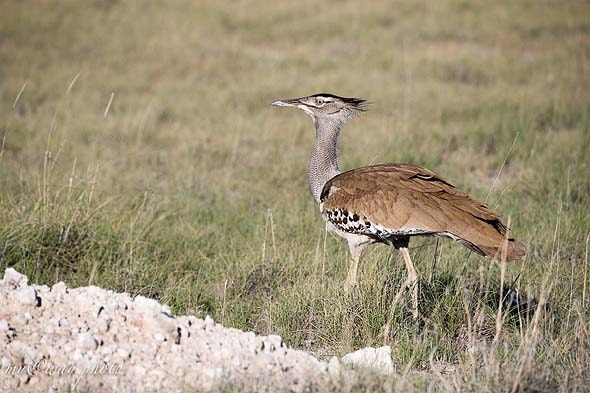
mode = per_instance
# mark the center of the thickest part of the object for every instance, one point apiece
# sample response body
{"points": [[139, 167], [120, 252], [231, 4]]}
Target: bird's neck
{"points": [[323, 164]]}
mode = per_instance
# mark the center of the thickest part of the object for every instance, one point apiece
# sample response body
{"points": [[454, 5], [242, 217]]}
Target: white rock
{"points": [[122, 353], [334, 367], [14, 278], [376, 358], [86, 342], [25, 296], [276, 340], [5, 362], [137, 371], [147, 304], [141, 342]]}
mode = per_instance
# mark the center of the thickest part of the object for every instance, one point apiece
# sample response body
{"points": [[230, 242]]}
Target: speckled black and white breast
{"points": [[354, 223], [347, 221]]}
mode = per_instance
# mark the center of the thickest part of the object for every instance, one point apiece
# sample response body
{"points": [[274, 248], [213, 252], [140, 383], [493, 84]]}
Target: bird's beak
{"points": [[289, 102]]}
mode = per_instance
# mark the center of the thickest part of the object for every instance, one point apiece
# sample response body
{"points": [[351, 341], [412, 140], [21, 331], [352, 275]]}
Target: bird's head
{"points": [[326, 106]]}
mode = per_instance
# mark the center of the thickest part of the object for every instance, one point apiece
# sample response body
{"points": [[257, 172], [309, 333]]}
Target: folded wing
{"points": [[401, 199]]}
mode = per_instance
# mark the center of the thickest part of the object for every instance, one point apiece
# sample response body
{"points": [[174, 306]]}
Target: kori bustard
{"points": [[390, 203]]}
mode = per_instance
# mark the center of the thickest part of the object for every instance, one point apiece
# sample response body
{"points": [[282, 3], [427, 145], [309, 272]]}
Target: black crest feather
{"points": [[359, 104]]}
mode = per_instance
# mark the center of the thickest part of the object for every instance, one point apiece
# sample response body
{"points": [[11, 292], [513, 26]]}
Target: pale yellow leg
{"points": [[351, 282], [411, 281]]}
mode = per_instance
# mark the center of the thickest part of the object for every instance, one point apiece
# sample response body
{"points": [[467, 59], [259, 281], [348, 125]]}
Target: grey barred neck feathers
{"points": [[323, 163], [329, 113]]}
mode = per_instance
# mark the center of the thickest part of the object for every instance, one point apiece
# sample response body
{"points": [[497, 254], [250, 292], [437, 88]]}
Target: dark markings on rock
{"points": [[101, 309], [179, 331], [38, 299]]}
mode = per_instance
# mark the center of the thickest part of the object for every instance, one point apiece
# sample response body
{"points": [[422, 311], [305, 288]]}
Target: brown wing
{"points": [[405, 199]]}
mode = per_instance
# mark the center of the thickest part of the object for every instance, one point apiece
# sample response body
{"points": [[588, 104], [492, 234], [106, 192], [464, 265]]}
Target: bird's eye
{"points": [[319, 101]]}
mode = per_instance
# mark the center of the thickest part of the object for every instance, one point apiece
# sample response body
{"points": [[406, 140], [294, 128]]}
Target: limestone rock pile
{"points": [[91, 339]]}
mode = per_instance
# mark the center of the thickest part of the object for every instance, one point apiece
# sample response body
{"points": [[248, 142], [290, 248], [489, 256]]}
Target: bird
{"points": [[391, 203]]}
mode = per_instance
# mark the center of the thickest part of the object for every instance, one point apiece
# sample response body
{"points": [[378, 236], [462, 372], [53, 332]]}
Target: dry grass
{"points": [[138, 152]]}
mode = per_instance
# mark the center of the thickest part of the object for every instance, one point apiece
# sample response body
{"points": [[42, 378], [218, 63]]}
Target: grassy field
{"points": [[138, 152]]}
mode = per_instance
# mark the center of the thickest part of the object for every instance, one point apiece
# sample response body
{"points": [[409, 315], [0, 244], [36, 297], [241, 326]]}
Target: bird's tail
{"points": [[509, 249], [492, 240]]}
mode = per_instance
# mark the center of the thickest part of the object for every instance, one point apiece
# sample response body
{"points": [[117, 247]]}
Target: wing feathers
{"points": [[398, 196]]}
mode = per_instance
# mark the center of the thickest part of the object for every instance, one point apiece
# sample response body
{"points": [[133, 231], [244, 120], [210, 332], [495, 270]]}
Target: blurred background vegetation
{"points": [[138, 152]]}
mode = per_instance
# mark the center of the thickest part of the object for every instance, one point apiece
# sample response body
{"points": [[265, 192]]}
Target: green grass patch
{"points": [[141, 154]]}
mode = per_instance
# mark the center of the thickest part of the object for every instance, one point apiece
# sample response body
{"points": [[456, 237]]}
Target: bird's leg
{"points": [[355, 254], [412, 280]]}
